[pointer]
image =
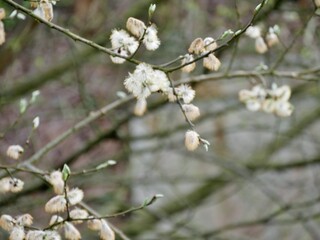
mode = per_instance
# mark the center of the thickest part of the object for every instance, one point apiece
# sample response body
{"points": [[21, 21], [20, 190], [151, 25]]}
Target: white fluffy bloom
{"points": [[15, 151], [5, 185], [144, 80], [57, 182], [17, 233], [268, 105], [121, 39], [9, 184], [160, 81], [78, 213], [192, 112], [190, 67], [136, 27], [56, 204], [282, 93], [253, 105], [7, 222], [253, 32], [75, 196], [106, 233], [71, 232], [283, 108], [119, 60], [151, 40], [261, 46], [140, 107], [130, 44], [211, 62], [118, 38], [274, 100], [135, 85], [185, 92], [24, 220], [192, 140]]}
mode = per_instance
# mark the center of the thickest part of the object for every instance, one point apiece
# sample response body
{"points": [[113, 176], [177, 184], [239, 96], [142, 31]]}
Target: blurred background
{"points": [[259, 179]]}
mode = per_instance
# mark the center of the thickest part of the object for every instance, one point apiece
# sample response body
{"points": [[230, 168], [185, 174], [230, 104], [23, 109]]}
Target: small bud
{"points": [[21, 16], [238, 32], [261, 46], [136, 27], [36, 122], [197, 46], [151, 10], [23, 105], [140, 107], [34, 96], [227, 33], [192, 140], [190, 67], [192, 112], [211, 62], [272, 39], [15, 151], [258, 7], [13, 14], [65, 172], [159, 195], [121, 94], [112, 162]]}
